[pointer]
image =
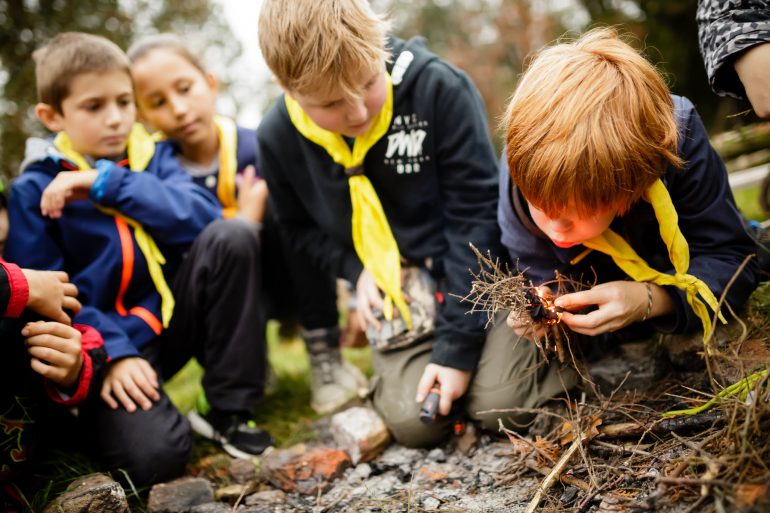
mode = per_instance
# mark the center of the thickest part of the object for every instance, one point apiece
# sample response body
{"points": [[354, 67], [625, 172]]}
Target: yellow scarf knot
{"points": [[624, 256]]}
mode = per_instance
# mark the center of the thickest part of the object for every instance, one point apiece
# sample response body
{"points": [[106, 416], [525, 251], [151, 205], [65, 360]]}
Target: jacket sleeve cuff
{"points": [[106, 185], [19, 290], [57, 395]]}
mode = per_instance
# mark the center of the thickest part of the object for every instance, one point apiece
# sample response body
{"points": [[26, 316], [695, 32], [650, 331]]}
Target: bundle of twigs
{"points": [[496, 288]]}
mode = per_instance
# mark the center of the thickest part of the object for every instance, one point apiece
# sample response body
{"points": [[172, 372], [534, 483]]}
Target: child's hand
{"points": [[55, 349], [65, 187], [131, 380], [619, 303], [524, 326], [368, 297], [753, 68], [454, 383], [50, 293], [252, 196]]}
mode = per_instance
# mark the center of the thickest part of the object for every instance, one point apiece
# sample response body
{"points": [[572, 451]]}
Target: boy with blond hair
{"points": [[607, 174], [160, 282], [379, 162]]}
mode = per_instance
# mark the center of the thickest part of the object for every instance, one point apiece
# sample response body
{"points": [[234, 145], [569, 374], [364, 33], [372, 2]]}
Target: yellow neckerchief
{"points": [[633, 265], [228, 165], [141, 148], [372, 237]]}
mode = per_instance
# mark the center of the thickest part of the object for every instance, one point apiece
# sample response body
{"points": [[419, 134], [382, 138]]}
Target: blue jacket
{"points": [[708, 218], [434, 172], [88, 245]]}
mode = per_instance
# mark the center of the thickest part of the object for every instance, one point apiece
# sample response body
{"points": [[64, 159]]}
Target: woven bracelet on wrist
{"points": [[649, 302]]}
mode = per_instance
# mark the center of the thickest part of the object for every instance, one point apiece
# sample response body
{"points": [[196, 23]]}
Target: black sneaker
{"points": [[239, 436]]}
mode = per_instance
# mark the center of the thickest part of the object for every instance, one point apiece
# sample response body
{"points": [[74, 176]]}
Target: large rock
{"points": [[306, 473], [95, 493], [360, 432], [179, 496]]}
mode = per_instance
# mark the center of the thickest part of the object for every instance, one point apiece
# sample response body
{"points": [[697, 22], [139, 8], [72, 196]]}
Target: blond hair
{"points": [[68, 55], [165, 41], [322, 44], [592, 122]]}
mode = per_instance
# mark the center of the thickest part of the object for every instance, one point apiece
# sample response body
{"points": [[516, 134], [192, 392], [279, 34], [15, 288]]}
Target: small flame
{"points": [[553, 312]]}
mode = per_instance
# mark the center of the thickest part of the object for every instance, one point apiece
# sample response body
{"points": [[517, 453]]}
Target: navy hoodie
{"points": [[708, 219], [434, 172]]}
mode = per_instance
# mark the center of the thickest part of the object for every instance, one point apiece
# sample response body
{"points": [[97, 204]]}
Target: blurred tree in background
{"points": [[26, 25], [491, 39]]}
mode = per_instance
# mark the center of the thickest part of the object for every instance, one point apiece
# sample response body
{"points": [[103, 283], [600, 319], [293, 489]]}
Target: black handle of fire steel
{"points": [[429, 408]]}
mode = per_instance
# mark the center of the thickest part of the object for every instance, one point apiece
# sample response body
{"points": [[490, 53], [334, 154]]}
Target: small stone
{"points": [[361, 472], [211, 507], [242, 470], [431, 504], [397, 455], [404, 473], [306, 473], [266, 497], [180, 495], [483, 479], [233, 492], [569, 495], [437, 455], [360, 432], [94, 493]]}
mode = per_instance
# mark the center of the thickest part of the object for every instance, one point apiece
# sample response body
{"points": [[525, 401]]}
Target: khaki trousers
{"points": [[510, 374]]}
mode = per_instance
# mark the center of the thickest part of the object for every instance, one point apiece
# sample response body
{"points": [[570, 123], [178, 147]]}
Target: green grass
{"points": [[748, 201]]}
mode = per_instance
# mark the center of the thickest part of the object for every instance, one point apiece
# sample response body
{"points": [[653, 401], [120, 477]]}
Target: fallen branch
{"points": [[556, 471], [696, 422]]}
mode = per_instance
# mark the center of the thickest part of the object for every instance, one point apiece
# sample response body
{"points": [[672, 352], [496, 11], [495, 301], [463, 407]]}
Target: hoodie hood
{"points": [[409, 60]]}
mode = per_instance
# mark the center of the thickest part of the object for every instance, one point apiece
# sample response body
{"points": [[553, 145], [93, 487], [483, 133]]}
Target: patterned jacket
{"points": [[726, 28]]}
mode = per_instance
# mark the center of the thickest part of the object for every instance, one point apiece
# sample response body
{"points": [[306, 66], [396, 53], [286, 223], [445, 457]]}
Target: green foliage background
{"points": [[26, 25]]}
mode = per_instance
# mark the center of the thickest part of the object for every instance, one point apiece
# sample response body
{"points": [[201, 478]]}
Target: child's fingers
{"points": [[143, 389], [106, 395], [134, 388], [69, 289], [53, 334], [366, 316], [120, 394], [576, 300], [71, 304], [51, 356], [149, 373], [50, 372], [445, 404], [427, 380]]}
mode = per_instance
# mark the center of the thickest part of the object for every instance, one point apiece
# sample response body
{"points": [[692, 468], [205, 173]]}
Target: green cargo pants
{"points": [[510, 374]]}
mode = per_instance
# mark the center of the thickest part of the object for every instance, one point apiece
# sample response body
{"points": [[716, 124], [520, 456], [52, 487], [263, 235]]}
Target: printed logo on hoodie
{"points": [[405, 141]]}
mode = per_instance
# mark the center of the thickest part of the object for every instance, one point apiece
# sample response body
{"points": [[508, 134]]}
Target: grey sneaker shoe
{"points": [[336, 382]]}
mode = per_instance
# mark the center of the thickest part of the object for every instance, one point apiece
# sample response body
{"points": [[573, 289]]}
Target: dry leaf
{"points": [[749, 494]]}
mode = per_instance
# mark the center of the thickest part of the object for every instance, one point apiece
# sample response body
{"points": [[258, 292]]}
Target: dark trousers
{"points": [[294, 286], [219, 320]]}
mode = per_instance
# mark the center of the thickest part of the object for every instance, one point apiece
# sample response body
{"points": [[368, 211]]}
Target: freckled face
{"points": [[350, 117], [570, 229]]}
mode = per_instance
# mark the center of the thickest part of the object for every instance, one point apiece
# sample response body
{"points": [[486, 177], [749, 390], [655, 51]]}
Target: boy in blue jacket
{"points": [[607, 175], [157, 278]]}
